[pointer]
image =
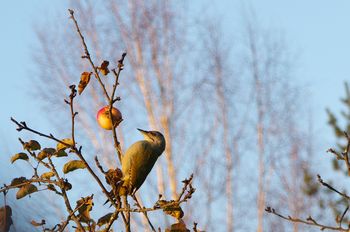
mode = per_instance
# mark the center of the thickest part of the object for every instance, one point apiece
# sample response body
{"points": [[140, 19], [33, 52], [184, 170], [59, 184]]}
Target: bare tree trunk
{"points": [[258, 88]]}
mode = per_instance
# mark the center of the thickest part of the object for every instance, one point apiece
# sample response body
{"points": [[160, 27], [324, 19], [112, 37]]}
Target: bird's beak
{"points": [[142, 131]]}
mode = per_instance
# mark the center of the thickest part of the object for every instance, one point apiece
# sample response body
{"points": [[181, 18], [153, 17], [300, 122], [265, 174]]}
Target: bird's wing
{"points": [[137, 163]]}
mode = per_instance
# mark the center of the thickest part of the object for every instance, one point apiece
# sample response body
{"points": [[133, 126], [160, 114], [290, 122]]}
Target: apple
{"points": [[105, 121]]}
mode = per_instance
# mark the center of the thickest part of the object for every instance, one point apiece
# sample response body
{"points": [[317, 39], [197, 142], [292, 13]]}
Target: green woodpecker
{"points": [[139, 160]]}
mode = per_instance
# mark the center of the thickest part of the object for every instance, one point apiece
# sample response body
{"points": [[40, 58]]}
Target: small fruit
{"points": [[105, 121]]}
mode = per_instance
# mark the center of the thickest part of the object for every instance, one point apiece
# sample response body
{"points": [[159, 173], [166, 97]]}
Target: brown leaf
{"points": [[73, 165], [178, 227], [171, 208], [25, 190], [104, 67], [104, 219], [32, 145], [34, 223], [5, 218], [65, 185], [113, 176], [18, 180], [60, 153], [84, 81], [84, 206], [45, 153], [21, 155], [47, 175], [62, 146], [51, 187]]}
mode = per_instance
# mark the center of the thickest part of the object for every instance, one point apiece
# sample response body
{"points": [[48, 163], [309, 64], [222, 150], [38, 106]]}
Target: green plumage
{"points": [[140, 158]]}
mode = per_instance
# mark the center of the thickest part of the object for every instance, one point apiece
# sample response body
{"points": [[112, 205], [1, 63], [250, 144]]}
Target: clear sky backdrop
{"points": [[318, 30]]}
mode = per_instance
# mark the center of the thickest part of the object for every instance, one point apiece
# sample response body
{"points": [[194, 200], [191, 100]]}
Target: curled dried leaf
{"points": [[171, 208], [113, 176], [5, 218], [66, 143], [84, 81], [104, 219], [31, 145], [60, 153], [73, 165], [34, 223], [64, 184], [46, 152], [18, 180], [47, 175], [21, 155], [51, 187], [104, 67], [84, 206], [26, 190], [178, 227]]}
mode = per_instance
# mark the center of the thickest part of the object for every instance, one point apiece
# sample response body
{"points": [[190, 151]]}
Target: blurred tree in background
{"points": [[228, 106], [329, 195]]}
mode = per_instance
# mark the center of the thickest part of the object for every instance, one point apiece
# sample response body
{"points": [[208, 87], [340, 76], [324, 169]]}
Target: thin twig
{"points": [[111, 102], [127, 216], [99, 166], [346, 153], [71, 214], [32, 154], [332, 188], [87, 54], [144, 213], [308, 221], [65, 197], [111, 221], [343, 215], [36, 180]]}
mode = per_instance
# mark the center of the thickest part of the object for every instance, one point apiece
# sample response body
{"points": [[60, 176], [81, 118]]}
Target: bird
{"points": [[139, 160]]}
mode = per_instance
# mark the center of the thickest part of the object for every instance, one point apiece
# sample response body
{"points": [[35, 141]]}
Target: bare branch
{"points": [[308, 221], [332, 188]]}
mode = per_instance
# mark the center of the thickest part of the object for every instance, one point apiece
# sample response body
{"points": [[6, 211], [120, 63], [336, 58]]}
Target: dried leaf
{"points": [[34, 223], [65, 185], [18, 180], [21, 155], [113, 176], [47, 175], [52, 188], [25, 190], [32, 145], [45, 153], [84, 206], [5, 218], [84, 81], [104, 219], [61, 146], [60, 153], [73, 165], [171, 208], [104, 67], [178, 227]]}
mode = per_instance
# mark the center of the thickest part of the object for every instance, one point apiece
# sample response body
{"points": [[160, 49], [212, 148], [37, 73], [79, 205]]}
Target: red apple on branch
{"points": [[105, 121]]}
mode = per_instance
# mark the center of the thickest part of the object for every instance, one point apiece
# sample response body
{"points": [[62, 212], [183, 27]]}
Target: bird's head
{"points": [[154, 137]]}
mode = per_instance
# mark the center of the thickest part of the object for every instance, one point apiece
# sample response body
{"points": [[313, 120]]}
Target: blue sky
{"points": [[317, 30]]}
